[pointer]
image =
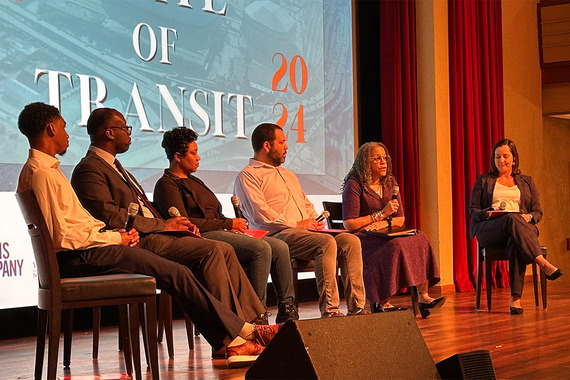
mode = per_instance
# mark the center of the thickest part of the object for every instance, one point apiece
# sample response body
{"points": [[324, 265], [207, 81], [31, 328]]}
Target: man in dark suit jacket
{"points": [[106, 190]]}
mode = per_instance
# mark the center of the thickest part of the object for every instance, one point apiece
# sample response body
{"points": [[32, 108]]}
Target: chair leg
{"points": [[134, 338], [160, 321], [142, 321], [296, 287], [414, 295], [479, 284], [543, 289], [124, 338], [165, 315], [67, 323], [96, 330], [150, 324], [543, 281], [40, 342], [488, 282], [54, 328], [189, 329], [535, 284]]}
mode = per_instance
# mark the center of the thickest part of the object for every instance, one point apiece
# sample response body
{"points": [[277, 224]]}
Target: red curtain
{"points": [[476, 107], [398, 99]]}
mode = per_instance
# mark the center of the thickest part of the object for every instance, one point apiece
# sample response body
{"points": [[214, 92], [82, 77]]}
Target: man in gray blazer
{"points": [[106, 190]]}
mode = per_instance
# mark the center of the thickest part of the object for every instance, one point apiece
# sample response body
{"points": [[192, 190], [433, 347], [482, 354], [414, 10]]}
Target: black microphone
{"points": [[133, 211], [395, 191], [323, 216], [173, 212], [235, 203]]}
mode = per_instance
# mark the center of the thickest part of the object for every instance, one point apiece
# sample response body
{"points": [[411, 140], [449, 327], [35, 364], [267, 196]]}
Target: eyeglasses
{"points": [[126, 128], [379, 158]]}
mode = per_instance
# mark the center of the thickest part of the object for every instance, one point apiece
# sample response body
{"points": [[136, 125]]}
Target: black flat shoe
{"points": [[516, 310], [438, 302], [557, 273]]}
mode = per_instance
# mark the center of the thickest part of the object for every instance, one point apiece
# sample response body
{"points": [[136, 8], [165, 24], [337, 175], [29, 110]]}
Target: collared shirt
{"points": [[70, 225], [110, 159], [271, 197]]}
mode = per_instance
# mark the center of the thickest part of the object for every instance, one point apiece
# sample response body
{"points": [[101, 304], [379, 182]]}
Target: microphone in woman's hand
{"points": [[173, 212], [395, 191]]}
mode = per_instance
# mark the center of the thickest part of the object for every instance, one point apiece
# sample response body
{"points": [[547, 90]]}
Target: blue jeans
{"points": [[260, 257]]}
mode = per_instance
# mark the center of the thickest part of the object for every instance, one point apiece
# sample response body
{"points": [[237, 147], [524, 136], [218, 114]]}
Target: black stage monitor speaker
{"points": [[468, 365], [382, 345]]}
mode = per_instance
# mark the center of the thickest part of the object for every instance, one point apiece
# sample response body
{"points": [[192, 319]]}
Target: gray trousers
{"points": [[326, 250]]}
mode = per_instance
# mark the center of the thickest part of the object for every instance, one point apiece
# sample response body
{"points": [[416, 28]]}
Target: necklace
{"points": [[377, 189]]}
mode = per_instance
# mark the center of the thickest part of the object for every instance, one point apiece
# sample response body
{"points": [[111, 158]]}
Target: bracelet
{"points": [[377, 216]]}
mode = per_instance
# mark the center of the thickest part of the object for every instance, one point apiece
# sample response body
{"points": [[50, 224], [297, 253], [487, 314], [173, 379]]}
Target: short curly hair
{"points": [[35, 117], [177, 140]]}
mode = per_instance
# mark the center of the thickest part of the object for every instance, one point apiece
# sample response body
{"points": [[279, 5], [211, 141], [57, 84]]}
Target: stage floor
{"points": [[533, 345]]}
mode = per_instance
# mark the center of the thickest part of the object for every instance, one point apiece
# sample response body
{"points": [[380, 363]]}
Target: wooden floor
{"points": [[534, 345]]}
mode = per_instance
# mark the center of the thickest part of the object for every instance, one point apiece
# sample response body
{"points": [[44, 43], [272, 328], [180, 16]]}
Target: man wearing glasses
{"points": [[107, 190]]}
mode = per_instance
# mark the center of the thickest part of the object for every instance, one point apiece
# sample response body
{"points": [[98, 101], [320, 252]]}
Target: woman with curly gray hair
{"points": [[370, 202]]}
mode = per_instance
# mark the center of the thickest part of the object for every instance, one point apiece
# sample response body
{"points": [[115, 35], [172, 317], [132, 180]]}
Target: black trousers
{"points": [[215, 321], [521, 239]]}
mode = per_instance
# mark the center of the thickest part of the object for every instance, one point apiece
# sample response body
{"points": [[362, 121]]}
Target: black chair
{"points": [[490, 254], [58, 297], [335, 221], [335, 214]]}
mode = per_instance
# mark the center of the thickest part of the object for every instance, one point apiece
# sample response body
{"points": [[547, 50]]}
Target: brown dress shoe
{"points": [[243, 355], [262, 334]]}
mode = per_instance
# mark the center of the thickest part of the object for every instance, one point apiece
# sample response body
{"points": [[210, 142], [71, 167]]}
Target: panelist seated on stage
{"points": [[505, 188], [86, 248], [369, 203], [190, 195], [106, 190], [272, 199]]}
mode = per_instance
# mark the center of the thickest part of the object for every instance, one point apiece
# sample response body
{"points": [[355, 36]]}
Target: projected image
{"points": [[219, 67]]}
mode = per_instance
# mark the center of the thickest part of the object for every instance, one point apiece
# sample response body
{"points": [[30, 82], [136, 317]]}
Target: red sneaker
{"points": [[262, 334], [242, 355]]}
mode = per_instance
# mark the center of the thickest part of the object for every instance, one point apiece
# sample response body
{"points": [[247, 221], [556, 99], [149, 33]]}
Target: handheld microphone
{"points": [[132, 211], [173, 212], [395, 191], [235, 203], [323, 216]]}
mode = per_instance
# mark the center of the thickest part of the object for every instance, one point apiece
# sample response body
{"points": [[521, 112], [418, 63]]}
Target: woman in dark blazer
{"points": [[194, 200], [505, 188]]}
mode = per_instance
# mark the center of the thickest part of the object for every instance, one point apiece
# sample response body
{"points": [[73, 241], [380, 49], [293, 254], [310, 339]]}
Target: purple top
{"points": [[360, 201]]}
